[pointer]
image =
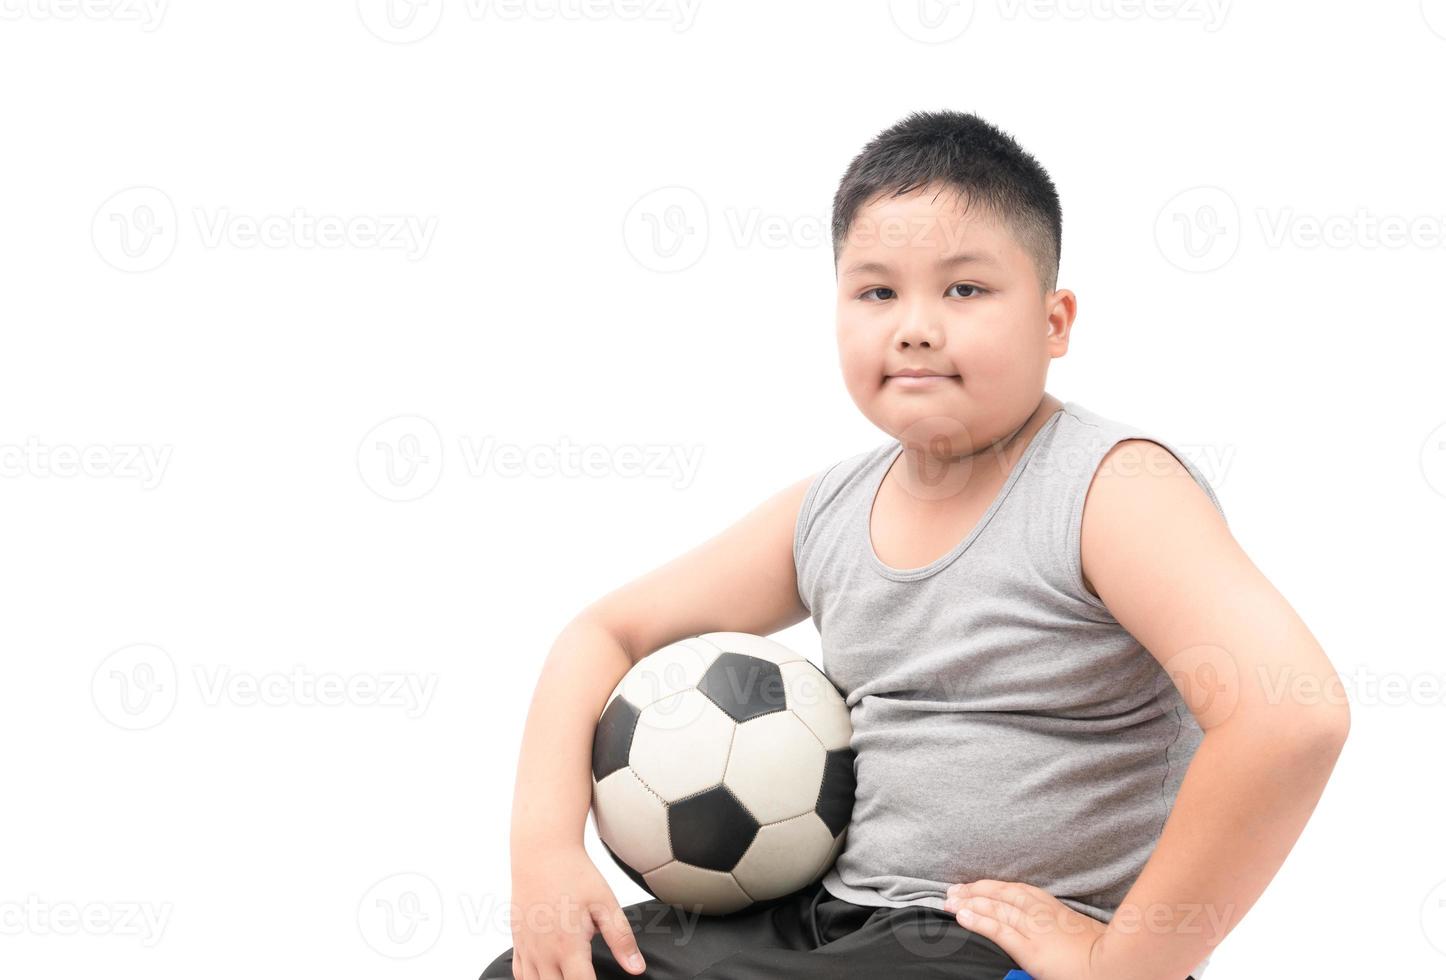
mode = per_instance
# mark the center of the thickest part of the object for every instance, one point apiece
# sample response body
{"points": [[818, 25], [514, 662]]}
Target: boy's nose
{"points": [[917, 328]]}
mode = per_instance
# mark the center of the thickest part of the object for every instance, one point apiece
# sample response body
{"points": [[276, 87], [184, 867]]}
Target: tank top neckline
{"points": [[924, 571]]}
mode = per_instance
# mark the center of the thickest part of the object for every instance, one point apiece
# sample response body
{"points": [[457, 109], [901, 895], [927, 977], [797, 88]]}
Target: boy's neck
{"points": [[923, 475]]}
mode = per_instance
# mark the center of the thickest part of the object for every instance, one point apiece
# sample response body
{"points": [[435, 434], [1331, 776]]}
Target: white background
{"points": [[197, 520]]}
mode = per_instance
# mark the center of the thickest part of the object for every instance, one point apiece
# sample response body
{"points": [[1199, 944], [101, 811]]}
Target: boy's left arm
{"points": [[1160, 557]]}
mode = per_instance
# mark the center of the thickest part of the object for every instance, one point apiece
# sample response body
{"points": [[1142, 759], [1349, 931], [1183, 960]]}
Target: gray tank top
{"points": [[1005, 725]]}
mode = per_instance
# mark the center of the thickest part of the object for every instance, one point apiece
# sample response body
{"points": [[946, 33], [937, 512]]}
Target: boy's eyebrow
{"points": [[958, 258]]}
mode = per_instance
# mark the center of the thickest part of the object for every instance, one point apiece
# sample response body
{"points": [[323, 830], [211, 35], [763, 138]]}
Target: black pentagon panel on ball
{"points": [[836, 792], [711, 829], [630, 872], [743, 686], [613, 737]]}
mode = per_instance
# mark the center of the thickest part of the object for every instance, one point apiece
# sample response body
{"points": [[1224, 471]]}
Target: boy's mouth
{"points": [[917, 378], [921, 381], [920, 372]]}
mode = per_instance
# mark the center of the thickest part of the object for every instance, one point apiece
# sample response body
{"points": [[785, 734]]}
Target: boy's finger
{"points": [[618, 934]]}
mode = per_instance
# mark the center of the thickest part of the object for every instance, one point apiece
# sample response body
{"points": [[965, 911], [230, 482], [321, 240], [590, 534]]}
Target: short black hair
{"points": [[963, 152]]}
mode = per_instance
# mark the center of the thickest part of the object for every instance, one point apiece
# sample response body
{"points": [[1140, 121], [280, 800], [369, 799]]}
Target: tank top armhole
{"points": [[1076, 524], [804, 521]]}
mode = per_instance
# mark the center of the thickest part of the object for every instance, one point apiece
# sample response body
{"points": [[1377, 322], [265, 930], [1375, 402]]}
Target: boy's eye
{"points": [[964, 285]]}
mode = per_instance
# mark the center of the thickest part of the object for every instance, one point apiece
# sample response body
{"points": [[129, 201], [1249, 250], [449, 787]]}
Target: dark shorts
{"points": [[807, 934]]}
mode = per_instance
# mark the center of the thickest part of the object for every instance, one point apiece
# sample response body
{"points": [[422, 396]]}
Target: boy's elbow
{"points": [[1301, 730], [1334, 725], [1313, 720], [1321, 729], [1331, 721]]}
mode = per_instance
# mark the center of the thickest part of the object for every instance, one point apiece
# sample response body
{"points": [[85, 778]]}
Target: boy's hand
{"points": [[1047, 938], [559, 902]]}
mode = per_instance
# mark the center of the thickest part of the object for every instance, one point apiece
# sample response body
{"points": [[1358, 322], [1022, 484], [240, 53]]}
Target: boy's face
{"points": [[923, 286]]}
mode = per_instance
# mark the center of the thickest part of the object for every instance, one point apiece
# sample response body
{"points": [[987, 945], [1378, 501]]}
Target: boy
{"points": [[1055, 656]]}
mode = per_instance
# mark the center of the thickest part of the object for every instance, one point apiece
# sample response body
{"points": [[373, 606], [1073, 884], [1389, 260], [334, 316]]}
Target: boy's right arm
{"points": [[741, 580]]}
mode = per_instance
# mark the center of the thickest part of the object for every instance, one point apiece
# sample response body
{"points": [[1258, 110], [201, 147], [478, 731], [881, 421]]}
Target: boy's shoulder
{"points": [[1122, 447]]}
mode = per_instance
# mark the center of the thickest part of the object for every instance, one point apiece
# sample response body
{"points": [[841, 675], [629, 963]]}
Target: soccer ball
{"points": [[722, 773]]}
